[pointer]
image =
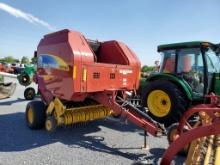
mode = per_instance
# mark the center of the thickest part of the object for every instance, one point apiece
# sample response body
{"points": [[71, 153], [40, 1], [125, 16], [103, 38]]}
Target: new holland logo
{"points": [[125, 71]]}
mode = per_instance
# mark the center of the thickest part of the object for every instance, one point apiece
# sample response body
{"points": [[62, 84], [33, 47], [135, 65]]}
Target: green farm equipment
{"points": [[25, 79], [188, 72], [6, 89]]}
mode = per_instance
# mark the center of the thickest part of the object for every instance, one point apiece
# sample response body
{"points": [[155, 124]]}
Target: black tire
{"points": [[38, 109], [24, 79], [170, 137], [29, 93], [179, 103]]}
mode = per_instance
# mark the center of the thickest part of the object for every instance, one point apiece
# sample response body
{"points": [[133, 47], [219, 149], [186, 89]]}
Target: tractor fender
{"points": [[181, 83]]}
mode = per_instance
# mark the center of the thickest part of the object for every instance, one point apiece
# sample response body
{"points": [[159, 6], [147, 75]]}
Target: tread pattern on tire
{"points": [[26, 93], [177, 108], [39, 114]]}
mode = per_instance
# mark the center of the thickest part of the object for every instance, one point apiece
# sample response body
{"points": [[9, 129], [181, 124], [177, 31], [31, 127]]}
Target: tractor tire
{"points": [[165, 101], [35, 114], [172, 136], [29, 93]]}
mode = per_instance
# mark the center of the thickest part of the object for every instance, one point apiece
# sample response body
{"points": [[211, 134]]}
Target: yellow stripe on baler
{"points": [[74, 72], [84, 74]]}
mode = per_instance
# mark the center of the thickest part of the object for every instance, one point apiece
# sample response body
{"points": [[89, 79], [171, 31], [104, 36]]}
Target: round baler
{"points": [[82, 80]]}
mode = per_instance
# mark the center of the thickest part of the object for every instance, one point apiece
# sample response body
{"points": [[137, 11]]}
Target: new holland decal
{"points": [[51, 61]]}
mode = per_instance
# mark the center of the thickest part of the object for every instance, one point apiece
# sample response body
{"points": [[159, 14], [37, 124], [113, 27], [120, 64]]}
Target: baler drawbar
{"points": [[80, 80]]}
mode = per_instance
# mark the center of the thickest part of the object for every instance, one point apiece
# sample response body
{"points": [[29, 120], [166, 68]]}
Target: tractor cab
{"points": [[197, 63]]}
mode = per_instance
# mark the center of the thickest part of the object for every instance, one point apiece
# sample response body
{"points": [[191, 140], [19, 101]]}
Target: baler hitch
{"points": [[141, 111], [124, 108]]}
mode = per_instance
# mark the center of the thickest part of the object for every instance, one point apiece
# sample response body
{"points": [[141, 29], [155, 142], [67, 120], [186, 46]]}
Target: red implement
{"points": [[184, 138], [73, 68]]}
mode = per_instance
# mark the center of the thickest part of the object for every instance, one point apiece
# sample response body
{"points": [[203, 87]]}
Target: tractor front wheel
{"points": [[35, 114], [165, 101]]}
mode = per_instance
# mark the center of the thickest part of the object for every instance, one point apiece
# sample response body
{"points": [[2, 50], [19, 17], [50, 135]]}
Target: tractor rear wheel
{"points": [[35, 114], [165, 101]]}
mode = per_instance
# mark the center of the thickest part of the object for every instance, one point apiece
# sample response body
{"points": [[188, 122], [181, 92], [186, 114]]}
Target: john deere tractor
{"points": [[188, 72]]}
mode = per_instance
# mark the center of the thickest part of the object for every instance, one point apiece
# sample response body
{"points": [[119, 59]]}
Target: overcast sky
{"points": [[141, 24]]}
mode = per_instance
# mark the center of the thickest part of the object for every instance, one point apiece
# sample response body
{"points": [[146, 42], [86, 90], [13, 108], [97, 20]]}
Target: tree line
{"points": [[23, 60], [146, 68]]}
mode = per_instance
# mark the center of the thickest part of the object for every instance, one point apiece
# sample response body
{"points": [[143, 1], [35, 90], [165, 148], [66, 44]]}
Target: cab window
{"points": [[191, 67], [212, 61], [168, 61]]}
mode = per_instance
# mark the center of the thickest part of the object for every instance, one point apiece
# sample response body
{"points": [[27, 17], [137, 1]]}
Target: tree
{"points": [[146, 68], [25, 60]]}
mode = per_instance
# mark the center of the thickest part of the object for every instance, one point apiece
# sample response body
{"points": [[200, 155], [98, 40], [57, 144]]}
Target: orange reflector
{"points": [[84, 74], [74, 72]]}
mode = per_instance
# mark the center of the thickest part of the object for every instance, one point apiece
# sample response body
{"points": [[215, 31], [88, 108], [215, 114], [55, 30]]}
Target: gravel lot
{"points": [[109, 141]]}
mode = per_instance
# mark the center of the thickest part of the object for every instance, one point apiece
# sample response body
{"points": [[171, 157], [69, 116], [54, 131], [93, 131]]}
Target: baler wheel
{"points": [[172, 135], [29, 93], [35, 114], [50, 124]]}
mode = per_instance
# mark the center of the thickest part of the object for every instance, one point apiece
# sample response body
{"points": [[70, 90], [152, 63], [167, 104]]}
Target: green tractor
{"points": [[26, 78], [188, 72]]}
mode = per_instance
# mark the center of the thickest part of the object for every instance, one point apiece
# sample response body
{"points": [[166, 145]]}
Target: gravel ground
{"points": [[109, 141]]}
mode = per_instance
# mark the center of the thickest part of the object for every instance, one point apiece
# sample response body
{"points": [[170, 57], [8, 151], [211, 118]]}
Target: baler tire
{"points": [[35, 114], [50, 124], [177, 102], [29, 93], [170, 137]]}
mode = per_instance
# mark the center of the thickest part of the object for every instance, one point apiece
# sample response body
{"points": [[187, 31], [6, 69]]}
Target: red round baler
{"points": [[82, 80]]}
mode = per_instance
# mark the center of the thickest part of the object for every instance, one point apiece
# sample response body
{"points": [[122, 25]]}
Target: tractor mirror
{"points": [[35, 54], [218, 50]]}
